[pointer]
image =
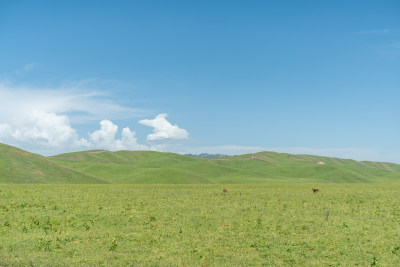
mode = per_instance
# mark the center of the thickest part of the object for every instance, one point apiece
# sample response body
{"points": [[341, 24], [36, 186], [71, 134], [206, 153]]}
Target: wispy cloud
{"points": [[391, 51], [42, 119], [29, 67], [80, 104], [26, 68], [372, 32]]}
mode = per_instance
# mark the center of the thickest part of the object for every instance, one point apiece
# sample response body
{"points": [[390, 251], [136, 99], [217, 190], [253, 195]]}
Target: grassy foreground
{"points": [[186, 225]]}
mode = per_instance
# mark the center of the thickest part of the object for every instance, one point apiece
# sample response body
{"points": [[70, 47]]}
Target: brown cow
{"points": [[224, 190], [315, 190]]}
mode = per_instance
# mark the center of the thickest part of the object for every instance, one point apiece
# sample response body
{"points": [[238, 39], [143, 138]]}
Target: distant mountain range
{"points": [[143, 167]]}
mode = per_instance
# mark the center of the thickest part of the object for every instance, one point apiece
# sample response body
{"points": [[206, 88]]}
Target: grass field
{"points": [[19, 166], [198, 225], [150, 167]]}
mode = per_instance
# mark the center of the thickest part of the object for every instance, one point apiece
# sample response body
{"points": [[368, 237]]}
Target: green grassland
{"points": [[145, 208], [277, 224], [265, 167], [150, 167], [19, 166]]}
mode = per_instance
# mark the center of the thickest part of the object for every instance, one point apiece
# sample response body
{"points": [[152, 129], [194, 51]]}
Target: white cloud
{"points": [[105, 138], [48, 132], [163, 129], [40, 119], [5, 131], [80, 105], [129, 141], [41, 128], [55, 130]]}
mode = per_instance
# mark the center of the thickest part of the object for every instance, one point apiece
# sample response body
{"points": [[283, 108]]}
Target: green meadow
{"points": [[150, 167], [145, 208], [275, 224]]}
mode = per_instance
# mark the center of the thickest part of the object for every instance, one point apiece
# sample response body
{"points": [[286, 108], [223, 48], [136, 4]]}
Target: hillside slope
{"points": [[139, 166], [19, 166], [157, 167]]}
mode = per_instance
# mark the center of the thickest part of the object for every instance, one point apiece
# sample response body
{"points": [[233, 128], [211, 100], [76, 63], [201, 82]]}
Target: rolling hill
{"points": [[19, 166], [150, 167], [263, 167]]}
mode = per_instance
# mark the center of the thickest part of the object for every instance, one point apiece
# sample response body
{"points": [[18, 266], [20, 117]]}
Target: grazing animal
{"points": [[315, 190], [224, 190]]}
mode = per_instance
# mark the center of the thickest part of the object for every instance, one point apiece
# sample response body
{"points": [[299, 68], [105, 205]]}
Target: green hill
{"points": [[149, 167], [264, 167], [139, 166], [19, 166], [207, 156]]}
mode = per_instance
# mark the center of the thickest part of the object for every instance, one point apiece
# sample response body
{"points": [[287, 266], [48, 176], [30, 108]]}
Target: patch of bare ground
{"points": [[254, 156], [387, 167], [97, 151]]}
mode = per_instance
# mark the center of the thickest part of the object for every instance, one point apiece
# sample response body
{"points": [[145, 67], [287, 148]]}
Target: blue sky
{"points": [[316, 77]]}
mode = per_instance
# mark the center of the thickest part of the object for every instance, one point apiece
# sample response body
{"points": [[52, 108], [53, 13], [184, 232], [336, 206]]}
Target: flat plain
{"points": [[276, 224]]}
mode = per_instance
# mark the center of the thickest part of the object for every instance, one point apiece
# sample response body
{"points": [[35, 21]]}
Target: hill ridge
{"points": [[266, 166], [20, 166], [141, 167]]}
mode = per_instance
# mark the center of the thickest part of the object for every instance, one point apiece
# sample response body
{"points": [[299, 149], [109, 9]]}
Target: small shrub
{"points": [[113, 246]]}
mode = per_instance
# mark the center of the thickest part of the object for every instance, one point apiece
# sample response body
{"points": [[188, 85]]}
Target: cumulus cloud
{"points": [[49, 131], [54, 129], [41, 128], [163, 129], [105, 138], [41, 121]]}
